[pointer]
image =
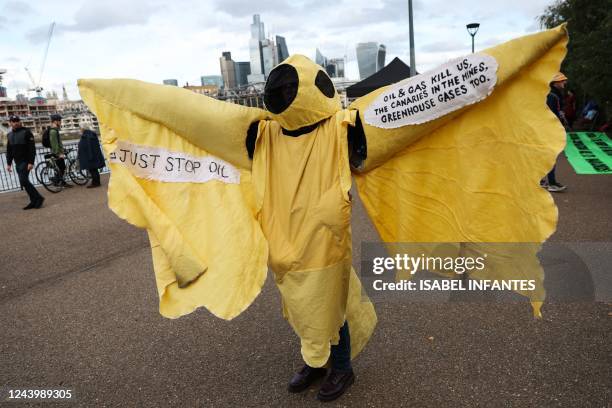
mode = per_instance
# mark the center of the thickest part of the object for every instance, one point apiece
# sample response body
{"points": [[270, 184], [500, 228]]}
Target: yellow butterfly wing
{"points": [[472, 176], [171, 155]]}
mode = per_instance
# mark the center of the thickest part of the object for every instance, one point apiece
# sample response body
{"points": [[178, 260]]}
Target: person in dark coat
{"points": [[21, 148], [555, 102], [90, 155]]}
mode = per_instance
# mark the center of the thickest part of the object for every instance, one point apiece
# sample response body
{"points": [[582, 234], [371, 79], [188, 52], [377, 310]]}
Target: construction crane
{"points": [[36, 84]]}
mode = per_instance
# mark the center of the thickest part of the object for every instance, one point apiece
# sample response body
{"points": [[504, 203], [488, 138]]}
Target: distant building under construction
{"points": [[35, 114]]}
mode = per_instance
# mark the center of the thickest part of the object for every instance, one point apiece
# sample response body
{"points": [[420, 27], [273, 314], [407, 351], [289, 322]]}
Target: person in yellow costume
{"points": [[227, 191]]}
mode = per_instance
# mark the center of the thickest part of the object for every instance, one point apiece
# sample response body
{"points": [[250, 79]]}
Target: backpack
{"points": [[46, 139]]}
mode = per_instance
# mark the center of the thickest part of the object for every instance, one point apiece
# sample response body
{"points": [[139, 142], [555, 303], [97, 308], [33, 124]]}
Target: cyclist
{"points": [[57, 148]]}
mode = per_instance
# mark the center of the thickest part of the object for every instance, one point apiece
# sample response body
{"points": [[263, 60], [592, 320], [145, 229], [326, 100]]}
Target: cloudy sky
{"points": [[183, 39]]}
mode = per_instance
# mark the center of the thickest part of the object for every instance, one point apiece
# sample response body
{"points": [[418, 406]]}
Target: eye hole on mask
{"points": [[281, 88], [325, 85]]}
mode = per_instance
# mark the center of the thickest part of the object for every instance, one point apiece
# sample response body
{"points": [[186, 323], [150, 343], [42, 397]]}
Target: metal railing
{"points": [[10, 181]]}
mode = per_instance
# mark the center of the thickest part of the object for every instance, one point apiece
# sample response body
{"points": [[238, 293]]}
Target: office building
{"points": [[370, 58], [257, 36], [243, 70], [380, 57], [2, 89], [228, 70], [268, 55], [212, 80], [320, 59], [264, 52], [282, 52], [335, 67]]}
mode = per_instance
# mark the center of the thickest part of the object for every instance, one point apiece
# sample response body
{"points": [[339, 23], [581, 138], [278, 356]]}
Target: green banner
{"points": [[589, 152]]}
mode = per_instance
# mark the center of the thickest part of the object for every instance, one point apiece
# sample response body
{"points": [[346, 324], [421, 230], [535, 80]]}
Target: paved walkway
{"points": [[79, 310]]}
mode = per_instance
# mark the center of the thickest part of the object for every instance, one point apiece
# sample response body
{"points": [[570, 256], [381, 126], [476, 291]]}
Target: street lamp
{"points": [[472, 28], [412, 59]]}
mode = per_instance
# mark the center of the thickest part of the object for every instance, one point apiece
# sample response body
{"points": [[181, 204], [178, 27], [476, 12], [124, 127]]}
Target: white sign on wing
{"points": [[433, 94], [155, 163]]}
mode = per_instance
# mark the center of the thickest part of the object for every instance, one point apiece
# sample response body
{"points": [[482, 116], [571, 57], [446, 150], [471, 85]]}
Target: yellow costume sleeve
{"points": [[472, 176], [208, 249], [217, 127]]}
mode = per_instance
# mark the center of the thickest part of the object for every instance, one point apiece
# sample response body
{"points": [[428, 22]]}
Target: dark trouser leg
{"points": [[551, 176], [95, 177], [341, 353], [61, 165], [22, 172]]}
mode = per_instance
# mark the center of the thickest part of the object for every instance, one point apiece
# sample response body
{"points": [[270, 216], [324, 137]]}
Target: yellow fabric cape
{"points": [[471, 176]]}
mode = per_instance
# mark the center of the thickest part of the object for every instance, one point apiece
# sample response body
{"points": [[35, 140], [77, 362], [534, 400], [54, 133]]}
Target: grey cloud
{"points": [[38, 34], [240, 8], [444, 46], [95, 16], [17, 8], [17, 84], [488, 9], [390, 10], [318, 11], [490, 42], [98, 16]]}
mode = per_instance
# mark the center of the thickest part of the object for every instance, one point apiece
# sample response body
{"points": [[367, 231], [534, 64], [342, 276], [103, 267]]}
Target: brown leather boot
{"points": [[305, 377], [336, 383]]}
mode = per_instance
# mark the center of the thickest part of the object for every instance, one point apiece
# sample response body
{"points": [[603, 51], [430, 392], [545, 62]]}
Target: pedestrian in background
{"points": [[57, 148], [21, 148], [570, 108], [90, 155], [555, 102]]}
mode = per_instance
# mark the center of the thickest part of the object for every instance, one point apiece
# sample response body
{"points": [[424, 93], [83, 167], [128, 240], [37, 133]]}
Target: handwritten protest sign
{"points": [[433, 94], [589, 152], [154, 163]]}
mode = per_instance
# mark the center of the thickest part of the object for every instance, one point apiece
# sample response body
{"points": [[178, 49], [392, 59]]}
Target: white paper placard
{"points": [[435, 93], [155, 163]]}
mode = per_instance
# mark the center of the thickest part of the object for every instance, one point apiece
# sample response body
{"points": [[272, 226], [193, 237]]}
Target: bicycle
{"points": [[81, 174], [48, 173]]}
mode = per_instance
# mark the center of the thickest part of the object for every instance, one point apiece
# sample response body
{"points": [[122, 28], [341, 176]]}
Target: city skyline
{"points": [[152, 40]]}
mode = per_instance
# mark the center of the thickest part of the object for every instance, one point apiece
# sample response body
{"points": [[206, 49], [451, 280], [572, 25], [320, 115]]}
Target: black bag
{"points": [[46, 139]]}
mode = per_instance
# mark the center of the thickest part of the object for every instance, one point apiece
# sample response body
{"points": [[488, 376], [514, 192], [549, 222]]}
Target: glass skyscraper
{"points": [[257, 36], [268, 56], [281, 49], [264, 52], [320, 59], [335, 65], [243, 70], [380, 58], [370, 58]]}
